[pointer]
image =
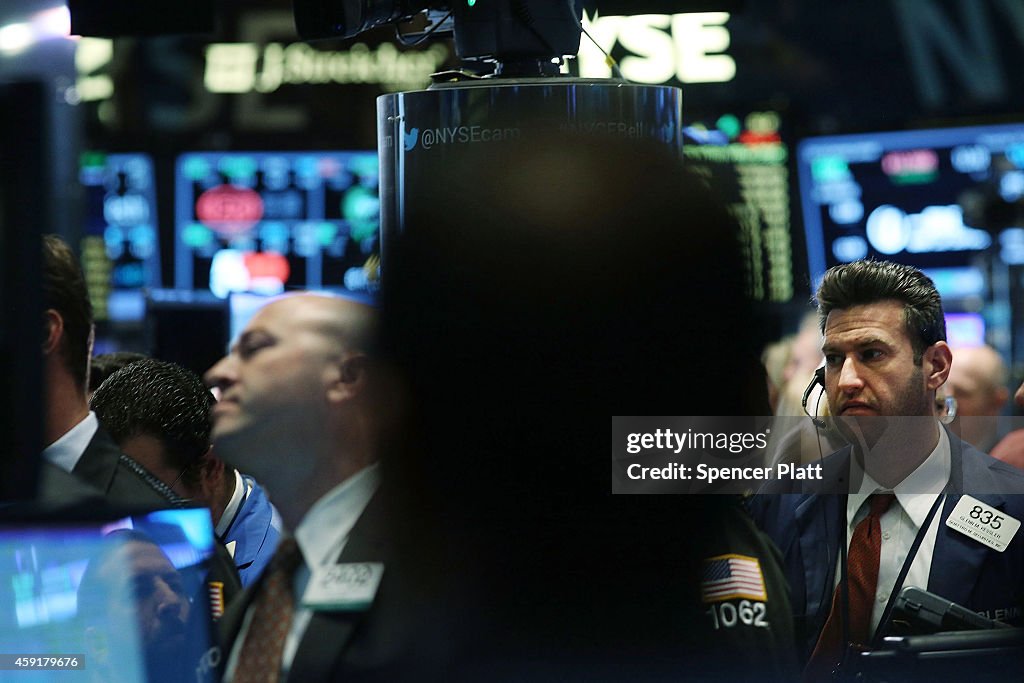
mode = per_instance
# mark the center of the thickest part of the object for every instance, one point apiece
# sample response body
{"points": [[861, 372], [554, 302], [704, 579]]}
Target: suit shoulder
{"points": [[58, 486], [774, 513], [134, 485], [999, 476]]}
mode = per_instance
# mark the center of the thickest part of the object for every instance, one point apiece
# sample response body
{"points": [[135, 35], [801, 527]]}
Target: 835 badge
{"points": [[984, 523]]}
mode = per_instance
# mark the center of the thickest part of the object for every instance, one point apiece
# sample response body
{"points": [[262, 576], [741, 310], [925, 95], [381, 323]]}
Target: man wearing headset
{"points": [[906, 503]]}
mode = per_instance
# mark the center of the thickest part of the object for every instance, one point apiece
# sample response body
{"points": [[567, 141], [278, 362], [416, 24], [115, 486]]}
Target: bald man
{"points": [[977, 380], [300, 409], [1011, 449]]}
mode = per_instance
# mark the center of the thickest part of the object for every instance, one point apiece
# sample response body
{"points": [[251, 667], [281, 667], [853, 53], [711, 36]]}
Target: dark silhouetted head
{"points": [[542, 289], [65, 293], [106, 364], [164, 402]]}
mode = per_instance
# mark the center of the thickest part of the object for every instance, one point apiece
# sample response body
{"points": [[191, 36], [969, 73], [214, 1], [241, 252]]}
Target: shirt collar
{"points": [[325, 528], [66, 451], [929, 478], [231, 509]]}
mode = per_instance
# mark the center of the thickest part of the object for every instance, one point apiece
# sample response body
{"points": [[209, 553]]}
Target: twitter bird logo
{"points": [[411, 138]]}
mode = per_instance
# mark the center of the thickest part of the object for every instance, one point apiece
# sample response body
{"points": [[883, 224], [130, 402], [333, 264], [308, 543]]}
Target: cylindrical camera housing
{"points": [[424, 134]]}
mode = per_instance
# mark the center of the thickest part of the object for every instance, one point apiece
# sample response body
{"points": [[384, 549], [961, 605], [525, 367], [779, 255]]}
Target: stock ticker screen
{"points": [[120, 243], [265, 222], [745, 159], [929, 198], [76, 585]]}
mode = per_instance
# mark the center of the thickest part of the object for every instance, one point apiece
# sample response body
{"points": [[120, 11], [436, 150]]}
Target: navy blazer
{"points": [[104, 467], [808, 528]]}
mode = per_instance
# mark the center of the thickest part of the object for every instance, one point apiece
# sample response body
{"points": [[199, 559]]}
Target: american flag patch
{"points": [[216, 599], [732, 576]]}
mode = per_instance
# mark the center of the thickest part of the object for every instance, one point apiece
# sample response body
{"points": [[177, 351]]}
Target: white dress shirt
{"points": [[321, 536], [66, 451], [900, 524], [231, 509]]}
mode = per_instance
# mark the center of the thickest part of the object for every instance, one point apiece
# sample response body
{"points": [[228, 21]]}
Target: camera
{"points": [[521, 37]]}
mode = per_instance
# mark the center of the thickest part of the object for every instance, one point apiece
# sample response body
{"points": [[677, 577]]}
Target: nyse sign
{"points": [[904, 58], [684, 47], [687, 47]]}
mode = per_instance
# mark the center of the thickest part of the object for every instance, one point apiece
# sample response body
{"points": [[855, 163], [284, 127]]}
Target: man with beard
{"points": [[889, 512], [134, 584]]}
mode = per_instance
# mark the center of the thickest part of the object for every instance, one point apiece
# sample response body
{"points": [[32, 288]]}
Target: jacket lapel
{"points": [[231, 623], [330, 632], [820, 528], [958, 560], [98, 463], [252, 515]]}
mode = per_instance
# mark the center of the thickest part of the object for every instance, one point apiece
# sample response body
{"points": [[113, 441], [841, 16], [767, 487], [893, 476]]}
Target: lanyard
{"points": [[887, 613]]}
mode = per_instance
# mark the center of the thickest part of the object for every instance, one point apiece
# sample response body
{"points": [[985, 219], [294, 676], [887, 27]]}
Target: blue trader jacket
{"points": [[254, 531]]}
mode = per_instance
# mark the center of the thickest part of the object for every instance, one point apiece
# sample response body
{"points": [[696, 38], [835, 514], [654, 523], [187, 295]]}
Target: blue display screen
{"points": [[906, 196], [266, 222], [965, 329], [120, 244], [85, 588]]}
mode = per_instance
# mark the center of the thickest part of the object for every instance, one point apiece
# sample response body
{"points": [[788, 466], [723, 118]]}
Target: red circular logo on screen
{"points": [[229, 210], [267, 264]]}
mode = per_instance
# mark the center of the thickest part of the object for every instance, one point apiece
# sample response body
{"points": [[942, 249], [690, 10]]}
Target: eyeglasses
{"points": [[180, 475]]}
